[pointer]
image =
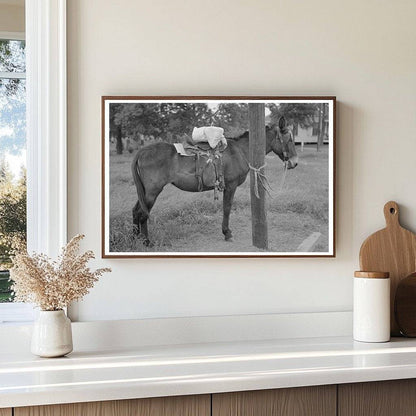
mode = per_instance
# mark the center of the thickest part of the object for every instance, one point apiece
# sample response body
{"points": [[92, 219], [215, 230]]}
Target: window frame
{"points": [[46, 127], [12, 35]]}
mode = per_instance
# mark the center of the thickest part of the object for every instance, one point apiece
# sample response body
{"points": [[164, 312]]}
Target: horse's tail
{"points": [[139, 184]]}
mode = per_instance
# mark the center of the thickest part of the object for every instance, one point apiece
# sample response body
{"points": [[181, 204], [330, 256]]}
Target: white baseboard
{"points": [[169, 331]]}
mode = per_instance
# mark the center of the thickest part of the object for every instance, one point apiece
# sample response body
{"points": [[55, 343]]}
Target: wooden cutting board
{"points": [[405, 306], [393, 250]]}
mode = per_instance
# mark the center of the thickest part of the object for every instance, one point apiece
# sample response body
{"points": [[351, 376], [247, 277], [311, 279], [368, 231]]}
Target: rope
{"points": [[260, 177], [282, 181]]}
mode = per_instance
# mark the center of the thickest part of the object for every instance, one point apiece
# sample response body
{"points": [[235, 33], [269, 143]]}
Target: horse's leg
{"points": [[150, 201], [145, 232], [140, 223], [152, 168], [136, 218], [140, 218], [228, 198]]}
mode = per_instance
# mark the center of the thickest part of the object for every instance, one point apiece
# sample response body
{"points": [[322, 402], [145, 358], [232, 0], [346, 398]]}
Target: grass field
{"points": [[183, 221]]}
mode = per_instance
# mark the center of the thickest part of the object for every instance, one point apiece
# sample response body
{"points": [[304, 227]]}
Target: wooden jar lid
{"points": [[372, 275]]}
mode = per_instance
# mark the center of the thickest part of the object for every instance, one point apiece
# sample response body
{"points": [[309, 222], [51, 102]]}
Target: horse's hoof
{"points": [[147, 243], [229, 240], [228, 237]]}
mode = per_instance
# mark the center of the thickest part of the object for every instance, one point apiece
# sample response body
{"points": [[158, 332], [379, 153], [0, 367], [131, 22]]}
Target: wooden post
{"points": [[257, 152], [320, 138]]}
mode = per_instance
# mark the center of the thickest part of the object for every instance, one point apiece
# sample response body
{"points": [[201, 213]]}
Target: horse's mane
{"points": [[241, 136], [245, 134]]}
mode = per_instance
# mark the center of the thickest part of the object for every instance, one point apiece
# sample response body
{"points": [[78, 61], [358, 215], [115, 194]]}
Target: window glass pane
{"points": [[12, 56], [12, 119], [12, 174]]}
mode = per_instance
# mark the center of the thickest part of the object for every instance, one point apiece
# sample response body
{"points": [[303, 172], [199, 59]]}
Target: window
{"points": [[45, 90], [12, 153]]}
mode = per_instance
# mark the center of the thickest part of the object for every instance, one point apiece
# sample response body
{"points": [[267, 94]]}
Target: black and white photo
{"points": [[218, 176]]}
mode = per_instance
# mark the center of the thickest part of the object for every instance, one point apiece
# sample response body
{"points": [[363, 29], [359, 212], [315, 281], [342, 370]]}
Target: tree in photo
{"points": [[115, 127], [233, 118], [295, 113], [166, 121]]}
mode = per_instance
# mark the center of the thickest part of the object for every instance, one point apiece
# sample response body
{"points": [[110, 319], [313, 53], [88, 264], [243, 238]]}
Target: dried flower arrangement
{"points": [[53, 285]]}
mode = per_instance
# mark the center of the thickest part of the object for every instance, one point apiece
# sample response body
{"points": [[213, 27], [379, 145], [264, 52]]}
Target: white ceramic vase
{"points": [[52, 334]]}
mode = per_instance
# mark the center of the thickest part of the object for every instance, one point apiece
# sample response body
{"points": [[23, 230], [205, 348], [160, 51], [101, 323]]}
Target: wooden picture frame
{"points": [[184, 224]]}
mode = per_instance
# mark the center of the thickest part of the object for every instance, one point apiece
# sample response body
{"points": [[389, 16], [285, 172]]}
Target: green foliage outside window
{"points": [[12, 224], [12, 145]]}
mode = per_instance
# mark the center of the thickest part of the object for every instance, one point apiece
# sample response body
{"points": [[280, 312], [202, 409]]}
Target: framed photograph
{"points": [[218, 176]]}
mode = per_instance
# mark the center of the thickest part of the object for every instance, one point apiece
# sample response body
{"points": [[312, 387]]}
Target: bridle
{"points": [[259, 176], [285, 158], [285, 152]]}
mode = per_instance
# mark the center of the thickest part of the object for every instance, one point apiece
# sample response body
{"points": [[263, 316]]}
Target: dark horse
{"points": [[158, 164]]}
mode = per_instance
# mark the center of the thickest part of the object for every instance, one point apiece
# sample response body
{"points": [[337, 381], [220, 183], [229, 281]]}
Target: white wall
{"points": [[361, 51]]}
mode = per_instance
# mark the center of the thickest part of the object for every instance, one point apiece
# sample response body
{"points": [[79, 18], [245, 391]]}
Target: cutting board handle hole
{"points": [[392, 210]]}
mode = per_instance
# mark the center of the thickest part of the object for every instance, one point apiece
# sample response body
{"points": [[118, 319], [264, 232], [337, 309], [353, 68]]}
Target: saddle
{"points": [[209, 169]]}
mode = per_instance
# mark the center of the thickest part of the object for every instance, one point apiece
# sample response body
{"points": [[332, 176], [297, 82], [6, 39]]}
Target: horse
{"points": [[159, 164]]}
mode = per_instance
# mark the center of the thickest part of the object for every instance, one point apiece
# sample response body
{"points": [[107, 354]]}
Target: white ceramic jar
{"points": [[52, 334], [371, 305]]}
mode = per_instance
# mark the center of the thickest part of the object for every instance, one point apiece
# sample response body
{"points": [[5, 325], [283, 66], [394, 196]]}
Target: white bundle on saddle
{"points": [[212, 135]]}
